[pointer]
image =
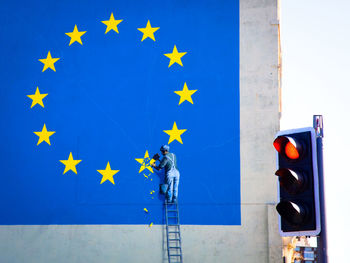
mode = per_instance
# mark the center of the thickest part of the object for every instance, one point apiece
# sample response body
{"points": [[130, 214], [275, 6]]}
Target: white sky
{"points": [[315, 37]]}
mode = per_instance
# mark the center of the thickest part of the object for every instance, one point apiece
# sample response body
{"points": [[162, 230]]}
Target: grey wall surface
{"points": [[256, 240]]}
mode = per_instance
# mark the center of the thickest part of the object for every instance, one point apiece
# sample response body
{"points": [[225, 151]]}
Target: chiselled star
{"points": [[37, 98], [175, 57], [107, 174], [70, 164], [49, 62], [75, 36], [185, 94], [175, 134], [44, 135], [148, 31], [145, 162], [112, 24]]}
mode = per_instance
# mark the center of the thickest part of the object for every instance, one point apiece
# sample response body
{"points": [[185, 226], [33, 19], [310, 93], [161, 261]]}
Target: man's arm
{"points": [[161, 164], [155, 166]]}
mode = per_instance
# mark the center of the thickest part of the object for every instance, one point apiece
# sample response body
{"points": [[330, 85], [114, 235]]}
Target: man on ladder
{"points": [[172, 177], [172, 174]]}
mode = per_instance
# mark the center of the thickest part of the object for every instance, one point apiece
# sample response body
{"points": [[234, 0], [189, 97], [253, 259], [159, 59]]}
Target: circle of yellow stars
{"points": [[76, 36]]}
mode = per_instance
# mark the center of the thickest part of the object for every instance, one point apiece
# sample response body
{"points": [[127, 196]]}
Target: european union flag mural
{"points": [[91, 90]]}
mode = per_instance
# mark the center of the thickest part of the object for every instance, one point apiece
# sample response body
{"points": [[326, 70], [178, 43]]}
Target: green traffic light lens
{"points": [[293, 213]]}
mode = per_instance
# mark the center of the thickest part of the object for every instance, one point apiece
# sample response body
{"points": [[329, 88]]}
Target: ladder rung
{"points": [[172, 215]]}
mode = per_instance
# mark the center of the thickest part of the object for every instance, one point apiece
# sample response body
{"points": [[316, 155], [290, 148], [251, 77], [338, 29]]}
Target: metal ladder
{"points": [[173, 232]]}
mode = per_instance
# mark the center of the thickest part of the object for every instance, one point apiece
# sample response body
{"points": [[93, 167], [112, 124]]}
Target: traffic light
{"points": [[298, 189]]}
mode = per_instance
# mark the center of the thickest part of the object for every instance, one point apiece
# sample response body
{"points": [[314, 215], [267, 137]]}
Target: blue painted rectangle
{"points": [[110, 100]]}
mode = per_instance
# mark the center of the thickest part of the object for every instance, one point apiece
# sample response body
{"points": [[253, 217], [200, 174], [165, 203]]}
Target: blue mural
{"points": [[91, 90]]}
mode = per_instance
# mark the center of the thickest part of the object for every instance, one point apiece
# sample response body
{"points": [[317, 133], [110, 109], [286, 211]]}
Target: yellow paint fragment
{"points": [[145, 209], [151, 193], [151, 224]]}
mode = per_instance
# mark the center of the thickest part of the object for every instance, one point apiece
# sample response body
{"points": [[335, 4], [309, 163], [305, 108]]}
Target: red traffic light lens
{"points": [[291, 151], [288, 147]]}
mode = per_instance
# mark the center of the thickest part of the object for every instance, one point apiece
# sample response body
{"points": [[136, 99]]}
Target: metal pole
{"points": [[322, 256]]}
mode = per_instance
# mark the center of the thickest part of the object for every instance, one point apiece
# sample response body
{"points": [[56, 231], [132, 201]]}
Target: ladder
{"points": [[173, 232]]}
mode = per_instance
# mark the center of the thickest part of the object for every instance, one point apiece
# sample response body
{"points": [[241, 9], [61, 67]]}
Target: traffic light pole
{"points": [[322, 256]]}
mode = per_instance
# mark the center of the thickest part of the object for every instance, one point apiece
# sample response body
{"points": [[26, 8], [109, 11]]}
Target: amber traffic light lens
{"points": [[291, 181]]}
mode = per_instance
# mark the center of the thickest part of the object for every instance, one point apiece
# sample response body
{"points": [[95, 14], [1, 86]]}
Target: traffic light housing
{"points": [[298, 190]]}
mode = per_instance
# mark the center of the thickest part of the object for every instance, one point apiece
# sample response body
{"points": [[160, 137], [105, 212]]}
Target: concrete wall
{"points": [[259, 93], [256, 240]]}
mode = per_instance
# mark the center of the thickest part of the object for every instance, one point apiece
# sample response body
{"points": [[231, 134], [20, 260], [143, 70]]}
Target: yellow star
{"points": [[175, 134], [148, 31], [70, 164], [185, 94], [44, 135], [146, 162], [112, 24], [175, 57], [49, 62], [37, 98], [75, 36], [107, 174]]}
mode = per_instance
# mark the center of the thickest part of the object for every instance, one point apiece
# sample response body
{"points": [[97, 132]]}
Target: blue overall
{"points": [[172, 179]]}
